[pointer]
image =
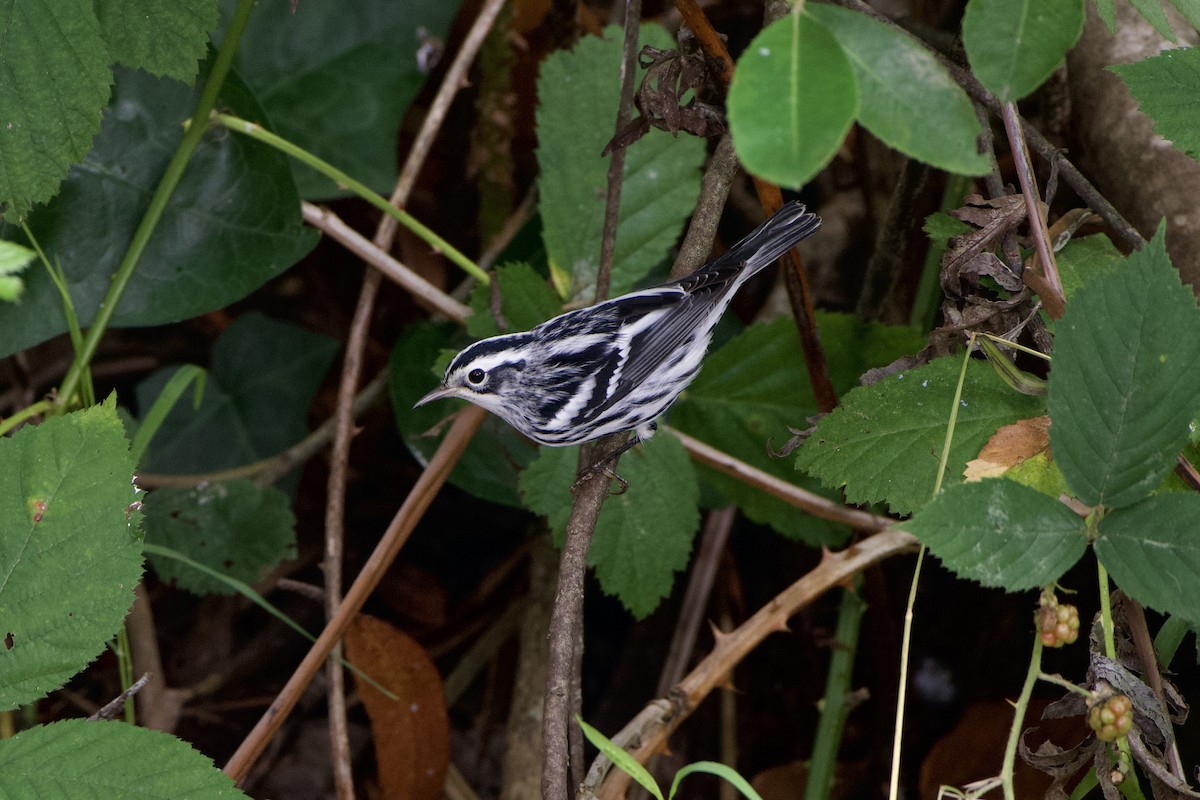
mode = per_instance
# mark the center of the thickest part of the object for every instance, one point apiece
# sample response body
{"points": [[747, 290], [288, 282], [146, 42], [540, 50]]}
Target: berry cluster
{"points": [[1057, 624], [1112, 718]]}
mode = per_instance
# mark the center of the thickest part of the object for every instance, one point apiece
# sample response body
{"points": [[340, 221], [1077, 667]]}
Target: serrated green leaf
{"points": [[792, 100], [1152, 551], [1039, 472], [1125, 379], [79, 760], [1190, 9], [489, 467], [264, 375], [644, 536], [884, 442], [70, 550], [1166, 86], [1014, 45], [54, 80], [1152, 12], [1001, 534], [233, 527], [233, 222], [1085, 258], [337, 79], [754, 388], [906, 97], [13, 259], [525, 300], [164, 37], [577, 106]]}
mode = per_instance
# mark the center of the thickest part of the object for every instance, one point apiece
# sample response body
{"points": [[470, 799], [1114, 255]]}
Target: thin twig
{"points": [[115, 706], [418, 500], [803, 499], [647, 733], [425, 292], [1035, 212], [714, 190]]}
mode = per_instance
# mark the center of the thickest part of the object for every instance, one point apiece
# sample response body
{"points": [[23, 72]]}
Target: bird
{"points": [[619, 364]]}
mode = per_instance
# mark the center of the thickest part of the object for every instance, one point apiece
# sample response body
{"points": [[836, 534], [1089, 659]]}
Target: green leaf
{"points": [[1152, 12], [337, 79], [489, 467], [1190, 9], [577, 105], [1085, 258], [1106, 11], [1166, 86], [644, 536], [13, 259], [1152, 552], [54, 79], [1014, 45], [233, 222], [525, 300], [907, 98], [1125, 379], [70, 551], [79, 760], [792, 100], [754, 388], [264, 375], [885, 440], [1001, 534], [164, 37], [721, 771], [621, 759], [233, 527]]}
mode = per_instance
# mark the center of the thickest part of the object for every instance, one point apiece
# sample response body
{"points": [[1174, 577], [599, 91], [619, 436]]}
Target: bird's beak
{"points": [[436, 394]]}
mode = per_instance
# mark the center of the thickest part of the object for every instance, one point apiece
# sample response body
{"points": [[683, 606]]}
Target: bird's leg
{"points": [[603, 467]]}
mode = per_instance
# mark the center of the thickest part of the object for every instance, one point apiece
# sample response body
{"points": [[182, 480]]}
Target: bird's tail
{"points": [[769, 241]]}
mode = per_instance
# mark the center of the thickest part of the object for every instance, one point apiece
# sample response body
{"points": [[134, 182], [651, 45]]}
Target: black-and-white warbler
{"points": [[619, 364]]}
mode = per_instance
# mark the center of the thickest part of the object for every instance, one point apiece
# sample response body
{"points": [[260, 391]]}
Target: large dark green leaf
{"points": [[643, 536], [577, 106], [232, 224], [1001, 533], [337, 78], [164, 37], [81, 760], [1125, 381], [1166, 87], [1153, 552], [753, 389], [885, 440], [54, 79], [264, 375]]}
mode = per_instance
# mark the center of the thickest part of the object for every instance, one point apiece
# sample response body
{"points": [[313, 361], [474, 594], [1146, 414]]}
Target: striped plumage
{"points": [[619, 364]]}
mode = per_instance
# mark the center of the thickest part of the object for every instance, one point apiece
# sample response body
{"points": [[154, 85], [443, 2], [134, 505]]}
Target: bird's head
{"points": [[488, 374]]}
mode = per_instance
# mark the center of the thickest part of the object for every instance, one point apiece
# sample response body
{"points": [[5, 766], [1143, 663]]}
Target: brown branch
{"points": [[647, 733], [714, 190], [562, 741], [789, 493], [418, 500]]}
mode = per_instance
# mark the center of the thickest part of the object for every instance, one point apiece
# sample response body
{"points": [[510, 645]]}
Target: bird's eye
{"points": [[476, 376]]}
